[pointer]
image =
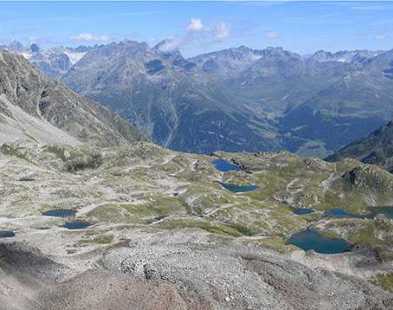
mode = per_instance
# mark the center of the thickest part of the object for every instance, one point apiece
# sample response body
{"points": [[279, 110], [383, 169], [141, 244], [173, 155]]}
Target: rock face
{"points": [[375, 149], [35, 108]]}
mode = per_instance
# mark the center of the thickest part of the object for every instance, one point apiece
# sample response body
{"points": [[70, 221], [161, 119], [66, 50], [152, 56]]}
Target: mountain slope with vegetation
{"points": [[234, 99], [196, 104], [376, 149]]}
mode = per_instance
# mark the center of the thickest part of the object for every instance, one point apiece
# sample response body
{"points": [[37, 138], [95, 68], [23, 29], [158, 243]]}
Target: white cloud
{"points": [[271, 35], [221, 31], [170, 44], [90, 37], [197, 34], [195, 25]]}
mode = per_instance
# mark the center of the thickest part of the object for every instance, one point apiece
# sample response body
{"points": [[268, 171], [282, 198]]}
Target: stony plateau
{"points": [[166, 235]]}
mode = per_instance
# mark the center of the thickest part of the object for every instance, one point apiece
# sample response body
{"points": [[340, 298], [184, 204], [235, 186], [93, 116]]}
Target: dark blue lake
{"points": [[76, 225], [60, 213], [234, 188], [6, 234], [224, 165], [302, 211], [312, 240], [341, 213], [374, 211]]}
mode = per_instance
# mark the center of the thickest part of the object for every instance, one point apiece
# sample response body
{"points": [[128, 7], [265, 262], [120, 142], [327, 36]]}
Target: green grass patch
{"points": [[384, 280], [157, 207], [234, 230], [275, 243], [366, 236]]}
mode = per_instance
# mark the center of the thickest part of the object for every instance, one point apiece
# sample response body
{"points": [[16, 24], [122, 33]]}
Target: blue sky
{"points": [[196, 27]]}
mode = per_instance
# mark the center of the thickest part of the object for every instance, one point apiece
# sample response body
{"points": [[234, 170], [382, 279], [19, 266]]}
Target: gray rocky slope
{"points": [[36, 108]]}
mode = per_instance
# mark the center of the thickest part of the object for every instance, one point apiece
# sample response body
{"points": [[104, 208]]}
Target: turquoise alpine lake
{"points": [[234, 188], [341, 213], [76, 225], [60, 213], [312, 240], [224, 165], [302, 211]]}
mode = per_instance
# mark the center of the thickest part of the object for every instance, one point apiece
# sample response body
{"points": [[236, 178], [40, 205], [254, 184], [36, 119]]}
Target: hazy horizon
{"points": [[200, 27]]}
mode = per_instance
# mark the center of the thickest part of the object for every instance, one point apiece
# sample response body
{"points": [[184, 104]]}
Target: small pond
{"points": [[76, 224], [7, 234], [341, 213], [60, 213], [224, 165], [312, 240], [302, 211], [374, 211], [234, 188]]}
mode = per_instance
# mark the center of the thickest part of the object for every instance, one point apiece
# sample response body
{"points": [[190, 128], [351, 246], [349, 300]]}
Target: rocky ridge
{"points": [[35, 108], [374, 149]]}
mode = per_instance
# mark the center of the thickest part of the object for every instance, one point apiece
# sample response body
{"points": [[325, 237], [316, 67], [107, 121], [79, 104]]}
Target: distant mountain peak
{"points": [[352, 56]]}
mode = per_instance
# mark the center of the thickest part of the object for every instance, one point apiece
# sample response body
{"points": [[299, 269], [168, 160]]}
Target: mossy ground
{"points": [[234, 230], [275, 243], [147, 186], [384, 280], [99, 239], [153, 207]]}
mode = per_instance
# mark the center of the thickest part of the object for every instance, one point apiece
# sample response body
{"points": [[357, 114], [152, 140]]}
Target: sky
{"points": [[198, 27]]}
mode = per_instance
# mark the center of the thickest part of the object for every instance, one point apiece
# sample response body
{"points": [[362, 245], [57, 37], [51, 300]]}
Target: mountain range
{"points": [[238, 99]]}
